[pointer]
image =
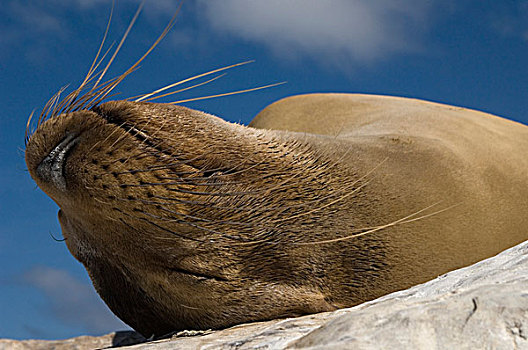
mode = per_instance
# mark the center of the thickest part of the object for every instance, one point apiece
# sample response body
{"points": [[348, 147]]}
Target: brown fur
{"points": [[185, 221]]}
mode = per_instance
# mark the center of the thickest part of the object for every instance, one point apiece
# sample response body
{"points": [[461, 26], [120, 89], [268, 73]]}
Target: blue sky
{"points": [[470, 53]]}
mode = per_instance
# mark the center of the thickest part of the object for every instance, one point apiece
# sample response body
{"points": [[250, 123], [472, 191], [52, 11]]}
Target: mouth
{"points": [[51, 168], [198, 275]]}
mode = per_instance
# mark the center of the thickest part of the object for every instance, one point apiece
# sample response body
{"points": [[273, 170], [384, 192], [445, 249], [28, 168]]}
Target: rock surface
{"points": [[481, 306], [78, 343]]}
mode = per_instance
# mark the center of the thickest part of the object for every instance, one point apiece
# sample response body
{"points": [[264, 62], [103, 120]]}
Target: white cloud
{"points": [[73, 302], [360, 30], [329, 31]]}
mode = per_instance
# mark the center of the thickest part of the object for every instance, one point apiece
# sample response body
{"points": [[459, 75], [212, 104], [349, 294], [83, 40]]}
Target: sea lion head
{"points": [[184, 220]]}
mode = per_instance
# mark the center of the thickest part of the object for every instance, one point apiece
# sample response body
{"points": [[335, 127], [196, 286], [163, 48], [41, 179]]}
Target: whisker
{"points": [[185, 89], [186, 216], [28, 125], [381, 227], [183, 222], [73, 103], [143, 97], [135, 65], [153, 184], [95, 63], [49, 105], [323, 206], [130, 25], [136, 156], [179, 175], [158, 226], [106, 138], [192, 181], [228, 93], [119, 139], [99, 91], [208, 204], [333, 194], [56, 239]]}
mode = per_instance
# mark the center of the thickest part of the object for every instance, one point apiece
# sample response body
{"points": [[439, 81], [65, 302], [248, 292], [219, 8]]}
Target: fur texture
{"points": [[185, 221]]}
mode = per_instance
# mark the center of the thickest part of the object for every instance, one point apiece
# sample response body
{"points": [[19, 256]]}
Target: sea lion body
{"points": [[434, 152], [185, 221]]}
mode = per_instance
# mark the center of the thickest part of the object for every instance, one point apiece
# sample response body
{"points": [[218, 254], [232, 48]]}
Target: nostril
{"points": [[51, 168]]}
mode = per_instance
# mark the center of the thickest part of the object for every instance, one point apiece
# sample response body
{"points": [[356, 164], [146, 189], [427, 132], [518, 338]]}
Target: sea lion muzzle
{"points": [[51, 167]]}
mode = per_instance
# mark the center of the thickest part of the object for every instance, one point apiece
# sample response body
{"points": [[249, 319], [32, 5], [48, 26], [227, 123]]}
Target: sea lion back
{"points": [[481, 140], [430, 153]]}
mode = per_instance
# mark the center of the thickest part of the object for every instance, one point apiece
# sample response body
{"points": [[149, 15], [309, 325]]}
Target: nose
{"points": [[51, 169]]}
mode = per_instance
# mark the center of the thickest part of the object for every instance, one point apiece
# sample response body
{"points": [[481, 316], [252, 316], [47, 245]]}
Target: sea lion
{"points": [[186, 221]]}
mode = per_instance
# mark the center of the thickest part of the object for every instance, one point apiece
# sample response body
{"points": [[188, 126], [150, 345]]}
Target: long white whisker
{"points": [[403, 220], [185, 89], [120, 44], [228, 93], [191, 78]]}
